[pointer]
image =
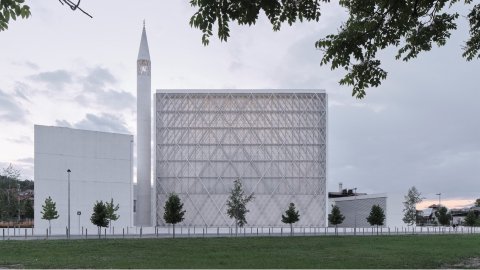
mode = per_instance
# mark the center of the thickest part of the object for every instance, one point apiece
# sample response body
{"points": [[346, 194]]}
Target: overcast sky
{"points": [[421, 127]]}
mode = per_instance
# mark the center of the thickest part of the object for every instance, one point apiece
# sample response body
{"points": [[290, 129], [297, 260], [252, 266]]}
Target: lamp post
{"points": [[355, 203], [18, 201], [439, 202], [68, 172]]}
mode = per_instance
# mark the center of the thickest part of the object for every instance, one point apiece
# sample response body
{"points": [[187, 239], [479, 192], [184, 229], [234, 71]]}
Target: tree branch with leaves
{"points": [[412, 26]]}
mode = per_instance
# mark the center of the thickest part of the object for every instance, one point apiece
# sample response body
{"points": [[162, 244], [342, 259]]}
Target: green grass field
{"points": [[250, 252]]}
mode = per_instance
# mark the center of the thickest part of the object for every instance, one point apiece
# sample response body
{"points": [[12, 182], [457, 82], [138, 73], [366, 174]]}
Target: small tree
{"points": [[291, 216], [173, 211], [410, 211], [443, 217], [237, 204], [99, 216], [470, 219], [29, 212], [49, 212], [335, 217], [477, 203], [111, 209], [376, 217]]}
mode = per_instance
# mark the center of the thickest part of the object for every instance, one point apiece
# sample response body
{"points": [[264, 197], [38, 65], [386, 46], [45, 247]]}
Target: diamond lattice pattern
{"points": [[274, 142]]}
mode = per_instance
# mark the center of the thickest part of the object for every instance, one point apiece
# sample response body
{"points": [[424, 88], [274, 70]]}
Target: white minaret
{"points": [[144, 93]]}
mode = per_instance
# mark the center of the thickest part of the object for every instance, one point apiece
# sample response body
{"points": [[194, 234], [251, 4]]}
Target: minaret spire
{"points": [[144, 119]]}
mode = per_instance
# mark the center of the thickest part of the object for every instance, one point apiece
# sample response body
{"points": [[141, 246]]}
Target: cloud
{"points": [[21, 140], [54, 79], [97, 78], [31, 65], [63, 123], [10, 110], [28, 160], [105, 122], [20, 89]]}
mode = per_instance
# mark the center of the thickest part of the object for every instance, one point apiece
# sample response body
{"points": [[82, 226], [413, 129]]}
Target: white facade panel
{"points": [[274, 142], [101, 167]]}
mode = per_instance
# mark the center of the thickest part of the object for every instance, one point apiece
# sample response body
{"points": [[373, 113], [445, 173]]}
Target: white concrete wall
{"points": [[101, 167]]}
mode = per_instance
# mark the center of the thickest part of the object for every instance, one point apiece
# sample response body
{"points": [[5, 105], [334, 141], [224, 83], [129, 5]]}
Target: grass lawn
{"points": [[250, 252]]}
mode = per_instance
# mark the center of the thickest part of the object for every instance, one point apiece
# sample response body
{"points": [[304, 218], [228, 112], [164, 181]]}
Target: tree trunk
{"points": [[291, 229], [99, 230], [377, 229], [173, 230], [336, 229], [49, 227], [236, 229]]}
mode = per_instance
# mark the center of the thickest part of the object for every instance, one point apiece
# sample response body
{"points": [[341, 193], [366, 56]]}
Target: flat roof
{"points": [[240, 91]]}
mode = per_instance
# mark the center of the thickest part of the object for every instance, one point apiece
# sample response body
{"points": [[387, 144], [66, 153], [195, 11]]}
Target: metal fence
{"points": [[185, 232]]}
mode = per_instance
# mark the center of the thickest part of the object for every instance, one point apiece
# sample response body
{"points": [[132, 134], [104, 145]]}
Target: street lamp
{"points": [[439, 199], [355, 206], [68, 172]]}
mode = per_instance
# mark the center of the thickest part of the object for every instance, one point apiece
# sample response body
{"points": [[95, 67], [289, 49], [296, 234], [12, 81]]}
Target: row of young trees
{"points": [[104, 213], [236, 209]]}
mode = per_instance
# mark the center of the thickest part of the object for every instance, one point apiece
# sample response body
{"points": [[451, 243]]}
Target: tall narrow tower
{"points": [[144, 104]]}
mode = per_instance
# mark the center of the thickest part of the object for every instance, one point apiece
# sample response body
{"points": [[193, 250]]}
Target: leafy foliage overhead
{"points": [[12, 9], [413, 26]]}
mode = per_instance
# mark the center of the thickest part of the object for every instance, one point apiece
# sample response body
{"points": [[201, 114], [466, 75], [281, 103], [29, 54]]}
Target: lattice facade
{"points": [[274, 142]]}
